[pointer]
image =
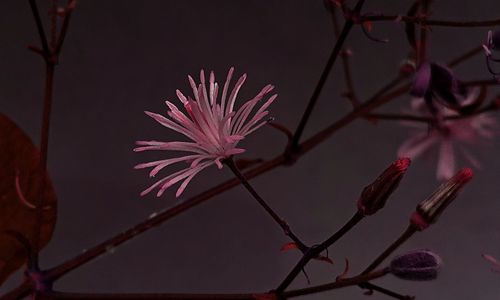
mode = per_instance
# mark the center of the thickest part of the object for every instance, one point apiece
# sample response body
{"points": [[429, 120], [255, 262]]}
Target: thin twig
{"points": [[324, 76], [351, 94], [39, 26], [44, 135], [431, 22], [280, 221], [68, 11], [408, 233]]}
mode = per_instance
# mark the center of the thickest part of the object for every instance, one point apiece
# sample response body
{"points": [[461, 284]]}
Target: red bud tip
{"points": [[429, 210], [374, 196], [464, 175], [402, 164]]}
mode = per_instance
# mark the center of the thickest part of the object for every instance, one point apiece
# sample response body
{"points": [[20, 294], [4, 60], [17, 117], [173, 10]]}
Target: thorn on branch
{"points": [[344, 272]]}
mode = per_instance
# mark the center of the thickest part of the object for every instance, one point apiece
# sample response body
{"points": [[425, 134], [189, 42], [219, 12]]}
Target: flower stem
{"points": [[408, 233], [315, 251], [281, 222]]}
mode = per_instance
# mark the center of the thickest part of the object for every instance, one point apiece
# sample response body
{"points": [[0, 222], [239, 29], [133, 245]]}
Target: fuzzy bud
{"points": [[374, 196], [429, 210], [418, 265]]}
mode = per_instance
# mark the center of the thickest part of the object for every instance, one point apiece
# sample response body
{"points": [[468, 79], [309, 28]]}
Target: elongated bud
{"points": [[416, 265], [375, 195], [429, 210]]}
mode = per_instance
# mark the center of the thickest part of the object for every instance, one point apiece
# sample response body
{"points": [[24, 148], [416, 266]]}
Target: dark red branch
{"points": [[250, 296]]}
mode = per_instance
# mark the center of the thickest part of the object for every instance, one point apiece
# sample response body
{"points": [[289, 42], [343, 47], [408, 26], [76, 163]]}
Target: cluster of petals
{"points": [[212, 125], [448, 135]]}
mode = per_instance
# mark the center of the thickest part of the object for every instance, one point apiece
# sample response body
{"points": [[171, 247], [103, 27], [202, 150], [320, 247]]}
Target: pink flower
{"points": [[213, 126], [448, 136]]}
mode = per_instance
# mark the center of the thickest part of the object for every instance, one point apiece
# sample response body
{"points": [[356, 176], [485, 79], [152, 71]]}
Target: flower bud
{"points": [[416, 265], [431, 208], [375, 195]]}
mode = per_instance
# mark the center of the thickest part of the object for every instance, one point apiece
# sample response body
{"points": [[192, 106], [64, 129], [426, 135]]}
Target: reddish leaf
{"points": [[289, 246], [19, 184]]}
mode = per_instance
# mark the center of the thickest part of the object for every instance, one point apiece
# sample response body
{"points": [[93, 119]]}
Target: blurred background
{"points": [[123, 57]]}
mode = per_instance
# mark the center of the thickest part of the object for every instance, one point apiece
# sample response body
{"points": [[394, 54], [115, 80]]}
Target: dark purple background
{"points": [[124, 57]]}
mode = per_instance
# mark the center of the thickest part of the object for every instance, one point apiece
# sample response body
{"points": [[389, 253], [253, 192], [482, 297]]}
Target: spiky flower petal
{"points": [[211, 123]]}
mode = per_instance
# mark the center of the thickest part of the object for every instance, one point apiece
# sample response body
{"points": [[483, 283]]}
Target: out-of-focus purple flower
{"points": [[434, 81], [214, 127], [448, 136], [492, 44], [416, 265]]}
